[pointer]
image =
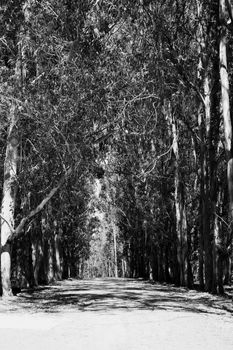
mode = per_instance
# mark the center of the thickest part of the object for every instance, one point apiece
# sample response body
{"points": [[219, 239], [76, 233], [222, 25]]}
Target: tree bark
{"points": [[225, 10], [8, 201], [181, 221], [224, 80], [11, 159], [114, 229], [58, 264], [208, 121]]}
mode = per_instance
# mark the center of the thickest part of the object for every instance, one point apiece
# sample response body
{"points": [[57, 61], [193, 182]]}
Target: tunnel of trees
{"points": [[116, 141]]}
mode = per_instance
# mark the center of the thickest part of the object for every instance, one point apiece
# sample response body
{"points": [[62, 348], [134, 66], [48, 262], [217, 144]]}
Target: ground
{"points": [[115, 314]]}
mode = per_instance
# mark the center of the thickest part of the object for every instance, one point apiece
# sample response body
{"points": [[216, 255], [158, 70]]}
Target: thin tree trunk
{"points": [[181, 221], [216, 275], [114, 228], [207, 205], [50, 262], [58, 270], [202, 206], [37, 257], [218, 246]]}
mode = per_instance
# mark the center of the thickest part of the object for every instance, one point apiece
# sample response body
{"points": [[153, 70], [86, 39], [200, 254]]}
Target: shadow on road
{"points": [[110, 294]]}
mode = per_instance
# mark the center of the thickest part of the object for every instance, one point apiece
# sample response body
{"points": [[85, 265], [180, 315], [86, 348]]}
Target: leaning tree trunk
{"points": [[8, 202]]}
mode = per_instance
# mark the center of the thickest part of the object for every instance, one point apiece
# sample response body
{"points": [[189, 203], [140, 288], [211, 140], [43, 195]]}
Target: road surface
{"points": [[115, 314]]}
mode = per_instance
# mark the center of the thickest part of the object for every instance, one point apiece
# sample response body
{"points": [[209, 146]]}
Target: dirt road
{"points": [[115, 315]]}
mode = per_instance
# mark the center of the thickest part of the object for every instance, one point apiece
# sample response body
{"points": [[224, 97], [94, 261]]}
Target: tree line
{"points": [[116, 141]]}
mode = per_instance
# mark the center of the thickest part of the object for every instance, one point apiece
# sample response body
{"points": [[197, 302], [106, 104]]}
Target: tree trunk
{"points": [[225, 99], [37, 249], [37, 257], [216, 275], [181, 221], [50, 261], [224, 80], [114, 229], [202, 203], [208, 123], [8, 201], [11, 160], [58, 265]]}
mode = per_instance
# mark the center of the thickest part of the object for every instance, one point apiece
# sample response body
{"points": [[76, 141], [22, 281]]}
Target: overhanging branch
{"points": [[19, 229]]}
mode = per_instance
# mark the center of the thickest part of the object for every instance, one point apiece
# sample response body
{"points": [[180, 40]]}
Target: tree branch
{"points": [[9, 225], [230, 10], [19, 229]]}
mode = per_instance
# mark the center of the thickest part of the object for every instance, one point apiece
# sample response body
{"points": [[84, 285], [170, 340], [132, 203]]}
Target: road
{"points": [[115, 314]]}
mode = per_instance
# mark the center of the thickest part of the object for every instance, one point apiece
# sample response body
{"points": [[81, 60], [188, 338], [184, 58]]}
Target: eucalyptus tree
{"points": [[136, 91], [40, 109]]}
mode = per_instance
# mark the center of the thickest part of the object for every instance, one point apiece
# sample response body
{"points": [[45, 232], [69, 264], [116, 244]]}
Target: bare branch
{"points": [[153, 164], [220, 218], [9, 225]]}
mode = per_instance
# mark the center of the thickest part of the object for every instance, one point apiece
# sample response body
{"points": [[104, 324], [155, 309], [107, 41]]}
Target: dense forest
{"points": [[116, 141]]}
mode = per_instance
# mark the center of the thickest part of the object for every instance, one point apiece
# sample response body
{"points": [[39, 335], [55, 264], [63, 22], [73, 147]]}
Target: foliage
{"points": [[109, 90]]}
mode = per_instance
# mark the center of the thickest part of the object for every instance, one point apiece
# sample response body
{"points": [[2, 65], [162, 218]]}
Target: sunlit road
{"points": [[115, 314]]}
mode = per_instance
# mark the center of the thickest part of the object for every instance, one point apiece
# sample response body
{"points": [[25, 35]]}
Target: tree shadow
{"points": [[117, 294]]}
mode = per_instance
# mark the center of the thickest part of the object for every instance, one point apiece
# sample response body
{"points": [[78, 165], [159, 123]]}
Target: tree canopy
{"points": [[116, 141]]}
